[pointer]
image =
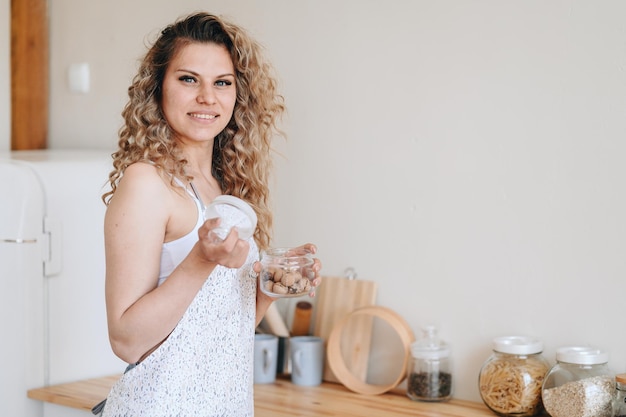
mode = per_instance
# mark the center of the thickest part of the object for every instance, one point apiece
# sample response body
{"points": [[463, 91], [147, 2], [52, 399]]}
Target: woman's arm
{"points": [[141, 214]]}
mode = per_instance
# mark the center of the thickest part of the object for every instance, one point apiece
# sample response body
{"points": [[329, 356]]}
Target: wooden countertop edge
{"points": [[281, 399], [82, 394]]}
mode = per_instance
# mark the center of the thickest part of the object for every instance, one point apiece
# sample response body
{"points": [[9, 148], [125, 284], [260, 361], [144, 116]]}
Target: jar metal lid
{"points": [[517, 345], [581, 355]]}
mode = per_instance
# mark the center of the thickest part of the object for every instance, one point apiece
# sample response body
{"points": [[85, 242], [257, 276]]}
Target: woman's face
{"points": [[199, 92]]}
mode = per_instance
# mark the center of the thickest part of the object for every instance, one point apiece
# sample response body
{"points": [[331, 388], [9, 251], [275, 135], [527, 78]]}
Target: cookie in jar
{"points": [[286, 273]]}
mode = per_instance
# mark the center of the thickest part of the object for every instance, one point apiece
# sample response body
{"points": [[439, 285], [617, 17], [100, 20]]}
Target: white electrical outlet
{"points": [[78, 77]]}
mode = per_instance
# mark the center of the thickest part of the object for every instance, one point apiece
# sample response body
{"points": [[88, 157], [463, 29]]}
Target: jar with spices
{"points": [[619, 406], [510, 380], [579, 372], [429, 374]]}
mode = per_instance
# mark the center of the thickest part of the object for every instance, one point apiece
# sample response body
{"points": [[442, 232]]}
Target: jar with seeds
{"points": [[429, 373], [580, 384]]}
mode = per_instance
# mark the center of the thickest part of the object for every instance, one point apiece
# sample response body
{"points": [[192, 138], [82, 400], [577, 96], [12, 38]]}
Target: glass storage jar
{"points": [[429, 373], [580, 384], [510, 380], [286, 272], [619, 406]]}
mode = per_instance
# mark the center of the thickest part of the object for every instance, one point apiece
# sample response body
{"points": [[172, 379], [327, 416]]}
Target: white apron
{"points": [[204, 368]]}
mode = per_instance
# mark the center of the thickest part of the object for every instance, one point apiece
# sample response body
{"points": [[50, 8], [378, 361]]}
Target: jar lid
{"points": [[430, 346], [233, 212], [421, 352], [621, 378], [517, 345], [581, 355]]}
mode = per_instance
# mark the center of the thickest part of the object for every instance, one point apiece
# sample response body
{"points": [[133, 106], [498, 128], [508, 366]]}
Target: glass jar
{"points": [[429, 374], [580, 384], [619, 406], [510, 380], [286, 272]]}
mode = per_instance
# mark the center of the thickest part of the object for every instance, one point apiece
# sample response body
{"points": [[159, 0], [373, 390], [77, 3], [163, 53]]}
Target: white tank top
{"points": [[172, 253]]}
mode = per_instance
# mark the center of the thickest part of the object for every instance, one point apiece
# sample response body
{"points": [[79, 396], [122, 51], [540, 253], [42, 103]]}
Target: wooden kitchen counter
{"points": [[283, 399]]}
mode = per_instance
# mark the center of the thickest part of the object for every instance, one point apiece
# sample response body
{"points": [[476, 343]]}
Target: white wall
{"points": [[466, 155], [111, 38]]}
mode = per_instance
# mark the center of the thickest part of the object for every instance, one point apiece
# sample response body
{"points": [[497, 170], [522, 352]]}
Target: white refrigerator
{"points": [[52, 311]]}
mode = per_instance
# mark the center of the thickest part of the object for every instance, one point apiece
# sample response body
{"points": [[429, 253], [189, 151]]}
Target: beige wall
{"points": [[467, 155]]}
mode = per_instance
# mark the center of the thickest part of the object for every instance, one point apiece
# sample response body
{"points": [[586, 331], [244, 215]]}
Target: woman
{"points": [[182, 306]]}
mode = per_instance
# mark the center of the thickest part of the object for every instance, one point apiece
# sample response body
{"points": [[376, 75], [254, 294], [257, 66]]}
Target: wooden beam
{"points": [[29, 74]]}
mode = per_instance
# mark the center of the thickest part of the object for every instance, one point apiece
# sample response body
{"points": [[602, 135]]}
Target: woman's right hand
{"points": [[231, 252]]}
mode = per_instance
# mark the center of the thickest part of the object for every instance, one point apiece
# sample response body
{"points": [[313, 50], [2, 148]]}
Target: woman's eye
{"points": [[187, 79], [223, 83]]}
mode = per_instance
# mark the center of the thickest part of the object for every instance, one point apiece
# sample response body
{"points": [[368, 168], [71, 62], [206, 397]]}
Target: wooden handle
{"points": [[302, 319]]}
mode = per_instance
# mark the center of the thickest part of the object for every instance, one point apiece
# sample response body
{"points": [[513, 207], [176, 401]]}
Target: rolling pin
{"points": [[275, 322], [302, 319]]}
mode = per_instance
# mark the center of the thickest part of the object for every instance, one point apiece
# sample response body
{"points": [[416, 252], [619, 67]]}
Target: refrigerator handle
{"points": [[52, 255]]}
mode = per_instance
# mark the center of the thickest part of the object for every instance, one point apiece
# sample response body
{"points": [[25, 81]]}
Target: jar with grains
{"points": [[580, 384], [510, 380], [429, 374], [619, 406]]}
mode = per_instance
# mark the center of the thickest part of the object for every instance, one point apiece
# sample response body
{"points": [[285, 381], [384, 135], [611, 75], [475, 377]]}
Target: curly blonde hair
{"points": [[241, 156]]}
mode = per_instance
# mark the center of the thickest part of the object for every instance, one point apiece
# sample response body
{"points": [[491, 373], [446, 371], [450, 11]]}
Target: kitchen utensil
{"points": [[336, 355], [275, 323], [336, 298], [302, 319]]}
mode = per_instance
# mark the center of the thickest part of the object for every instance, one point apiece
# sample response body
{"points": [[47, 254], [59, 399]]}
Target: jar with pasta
{"points": [[580, 384], [510, 380]]}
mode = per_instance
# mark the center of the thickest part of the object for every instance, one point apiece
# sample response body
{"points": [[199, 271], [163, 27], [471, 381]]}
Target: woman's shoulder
{"points": [[142, 195], [143, 179], [141, 168], [143, 173]]}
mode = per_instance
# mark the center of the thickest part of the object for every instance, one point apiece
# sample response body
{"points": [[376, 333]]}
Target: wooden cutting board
{"points": [[336, 297]]}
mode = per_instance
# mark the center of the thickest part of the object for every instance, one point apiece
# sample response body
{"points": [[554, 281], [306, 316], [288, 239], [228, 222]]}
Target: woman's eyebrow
{"points": [[228, 74]]}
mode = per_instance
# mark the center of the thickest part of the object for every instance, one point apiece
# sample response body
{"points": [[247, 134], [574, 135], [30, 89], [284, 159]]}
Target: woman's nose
{"points": [[206, 95]]}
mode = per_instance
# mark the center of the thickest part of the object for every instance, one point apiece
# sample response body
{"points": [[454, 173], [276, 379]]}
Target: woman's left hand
{"points": [[316, 268]]}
